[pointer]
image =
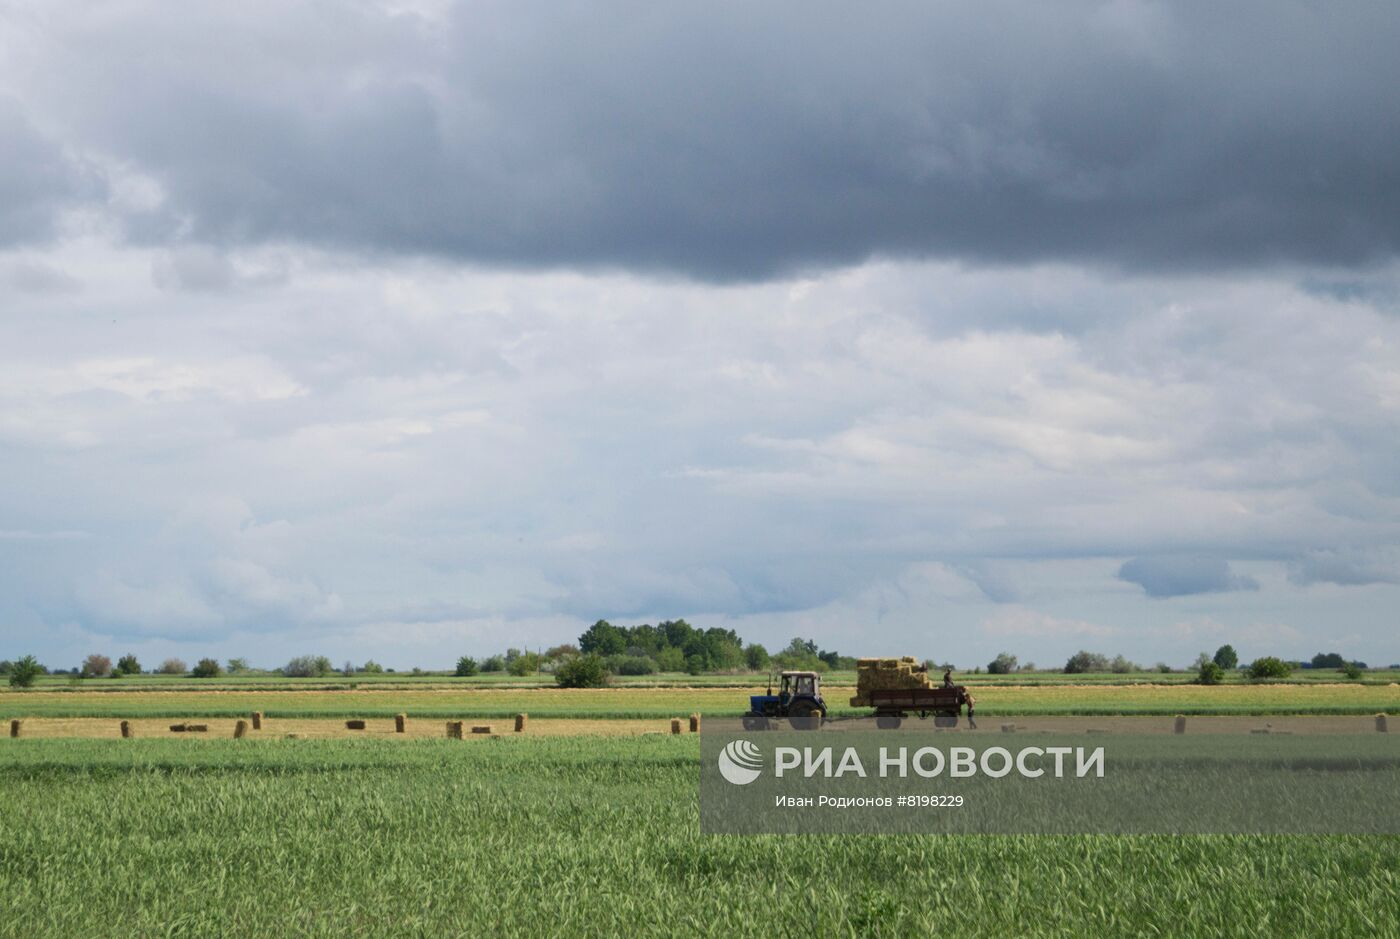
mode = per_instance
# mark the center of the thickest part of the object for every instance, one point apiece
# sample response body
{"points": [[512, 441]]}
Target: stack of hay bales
{"points": [[903, 674]]}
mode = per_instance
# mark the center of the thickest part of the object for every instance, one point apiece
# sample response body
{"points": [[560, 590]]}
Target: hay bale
{"points": [[860, 702], [400, 723], [196, 728], [15, 726], [257, 720], [1179, 726], [126, 730], [177, 728], [866, 663], [454, 730], [520, 722], [1381, 726], [240, 730], [354, 725], [482, 729], [695, 723], [675, 725]]}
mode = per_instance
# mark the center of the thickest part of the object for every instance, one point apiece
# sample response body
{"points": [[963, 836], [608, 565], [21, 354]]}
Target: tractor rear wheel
{"points": [[887, 721], [755, 722], [803, 716]]}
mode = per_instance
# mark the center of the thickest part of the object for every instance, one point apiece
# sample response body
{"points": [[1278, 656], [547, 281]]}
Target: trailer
{"points": [[944, 704]]}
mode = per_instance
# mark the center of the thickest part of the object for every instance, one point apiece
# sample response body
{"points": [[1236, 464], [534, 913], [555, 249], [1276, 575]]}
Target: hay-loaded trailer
{"points": [[944, 704], [898, 688]]}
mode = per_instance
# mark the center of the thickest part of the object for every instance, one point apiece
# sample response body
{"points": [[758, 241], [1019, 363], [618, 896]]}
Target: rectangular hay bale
{"points": [[400, 723], [454, 730], [354, 725], [482, 729], [520, 721]]}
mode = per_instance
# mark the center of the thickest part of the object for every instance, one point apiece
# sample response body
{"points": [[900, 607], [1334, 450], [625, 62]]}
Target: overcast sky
{"points": [[408, 330]]}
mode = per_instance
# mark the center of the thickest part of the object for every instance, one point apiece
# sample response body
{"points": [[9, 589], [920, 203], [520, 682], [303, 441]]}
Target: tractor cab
{"points": [[799, 699]]}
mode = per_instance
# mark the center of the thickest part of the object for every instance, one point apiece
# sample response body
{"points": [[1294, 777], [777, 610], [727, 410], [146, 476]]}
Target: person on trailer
{"points": [[948, 678]]}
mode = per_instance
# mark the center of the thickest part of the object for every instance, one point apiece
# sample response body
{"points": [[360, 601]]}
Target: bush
{"points": [[631, 665], [526, 663], [1210, 673], [96, 666], [493, 663], [1226, 657], [1121, 666], [466, 667], [1351, 670], [128, 665], [1163, 668], [1268, 667], [236, 666], [1082, 662], [308, 666], [173, 667], [23, 672], [207, 668], [372, 668], [582, 671], [670, 659], [1003, 664]]}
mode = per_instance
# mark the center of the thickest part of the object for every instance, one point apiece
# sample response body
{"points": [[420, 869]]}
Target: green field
{"points": [[406, 681], [659, 703], [585, 836]]}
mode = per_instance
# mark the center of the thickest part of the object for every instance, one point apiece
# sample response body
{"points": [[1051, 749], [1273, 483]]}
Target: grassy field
{"points": [[585, 836], [441, 680], [660, 703]]}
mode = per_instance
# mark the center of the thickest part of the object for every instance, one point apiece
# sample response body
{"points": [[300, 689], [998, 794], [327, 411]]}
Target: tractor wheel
{"points": [[755, 722], [887, 721], [804, 716]]}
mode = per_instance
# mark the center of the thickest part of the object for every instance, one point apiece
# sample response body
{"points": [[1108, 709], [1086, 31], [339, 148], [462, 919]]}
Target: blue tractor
{"points": [[799, 702]]}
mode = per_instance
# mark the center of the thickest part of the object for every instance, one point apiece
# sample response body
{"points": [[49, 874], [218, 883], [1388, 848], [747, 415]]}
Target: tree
{"points": [[1268, 667], [128, 665], [568, 648], [236, 666], [1328, 660], [1226, 657], [23, 672], [466, 667], [173, 667], [603, 638], [493, 663], [1352, 670], [1003, 664], [96, 666], [308, 666], [1201, 661], [207, 668], [582, 671], [1083, 661], [1121, 666], [756, 657], [1210, 673], [670, 659], [372, 667]]}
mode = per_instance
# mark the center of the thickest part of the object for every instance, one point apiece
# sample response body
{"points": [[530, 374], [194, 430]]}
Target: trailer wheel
{"points": [[887, 721], [945, 720]]}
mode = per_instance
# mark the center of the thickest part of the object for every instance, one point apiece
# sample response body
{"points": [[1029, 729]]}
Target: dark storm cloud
{"points": [[1182, 576], [736, 141]]}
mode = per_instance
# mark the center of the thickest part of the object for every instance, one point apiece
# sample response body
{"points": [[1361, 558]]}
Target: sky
{"points": [[418, 329]]}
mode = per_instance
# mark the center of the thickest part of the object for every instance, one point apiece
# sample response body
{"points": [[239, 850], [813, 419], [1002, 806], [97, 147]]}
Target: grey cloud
{"points": [[1346, 567], [38, 180], [729, 141], [1182, 576]]}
